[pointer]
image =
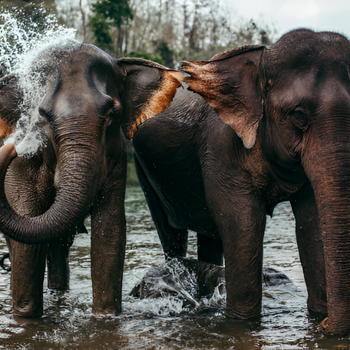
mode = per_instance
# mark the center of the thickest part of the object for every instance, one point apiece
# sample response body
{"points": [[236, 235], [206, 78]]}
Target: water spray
{"points": [[23, 47]]}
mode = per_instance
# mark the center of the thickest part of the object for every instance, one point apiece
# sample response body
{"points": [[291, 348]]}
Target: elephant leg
{"points": [[29, 189], [309, 239], [27, 277], [173, 240], [209, 249], [58, 262], [108, 240], [240, 218]]}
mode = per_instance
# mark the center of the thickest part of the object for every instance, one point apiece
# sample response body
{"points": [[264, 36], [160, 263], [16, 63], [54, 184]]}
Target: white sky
{"points": [[333, 15]]}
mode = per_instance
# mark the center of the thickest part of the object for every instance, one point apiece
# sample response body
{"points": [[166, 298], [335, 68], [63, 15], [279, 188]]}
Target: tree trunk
{"points": [[83, 20]]}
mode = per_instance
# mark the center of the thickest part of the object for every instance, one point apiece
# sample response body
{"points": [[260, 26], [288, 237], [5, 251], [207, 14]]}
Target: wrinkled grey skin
{"points": [[90, 98], [277, 130]]}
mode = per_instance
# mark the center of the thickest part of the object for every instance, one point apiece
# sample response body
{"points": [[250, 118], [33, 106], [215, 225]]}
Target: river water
{"points": [[166, 323]]}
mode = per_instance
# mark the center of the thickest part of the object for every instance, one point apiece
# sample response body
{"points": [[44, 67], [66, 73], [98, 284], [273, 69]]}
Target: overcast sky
{"points": [[333, 15]]}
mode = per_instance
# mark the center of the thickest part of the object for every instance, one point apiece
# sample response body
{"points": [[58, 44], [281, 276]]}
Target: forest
{"points": [[165, 31]]}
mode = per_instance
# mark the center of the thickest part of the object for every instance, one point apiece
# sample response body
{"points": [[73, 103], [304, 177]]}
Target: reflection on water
{"points": [[164, 323]]}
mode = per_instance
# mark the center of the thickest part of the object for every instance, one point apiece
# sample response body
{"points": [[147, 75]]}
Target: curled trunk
{"points": [[75, 191]]}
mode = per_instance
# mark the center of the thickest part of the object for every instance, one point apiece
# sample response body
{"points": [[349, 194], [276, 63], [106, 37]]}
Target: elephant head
{"points": [[290, 105], [87, 97]]}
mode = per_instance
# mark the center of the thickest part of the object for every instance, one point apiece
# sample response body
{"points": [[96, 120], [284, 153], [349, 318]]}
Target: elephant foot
{"points": [[106, 311], [28, 309]]}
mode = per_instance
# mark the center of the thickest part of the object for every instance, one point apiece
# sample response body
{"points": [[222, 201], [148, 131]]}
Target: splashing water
{"points": [[22, 49], [173, 288]]}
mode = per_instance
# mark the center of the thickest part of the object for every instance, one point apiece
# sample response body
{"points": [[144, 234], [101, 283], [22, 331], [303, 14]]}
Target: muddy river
{"points": [[167, 323]]}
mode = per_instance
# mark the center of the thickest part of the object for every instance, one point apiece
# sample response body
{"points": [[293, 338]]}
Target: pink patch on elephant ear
{"points": [[5, 128], [9, 101], [232, 86], [160, 99]]}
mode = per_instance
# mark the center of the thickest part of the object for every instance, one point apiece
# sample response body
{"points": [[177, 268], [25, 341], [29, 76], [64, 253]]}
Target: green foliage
{"points": [[108, 14], [116, 12], [32, 18], [100, 29], [166, 54], [23, 29], [146, 55], [131, 177]]}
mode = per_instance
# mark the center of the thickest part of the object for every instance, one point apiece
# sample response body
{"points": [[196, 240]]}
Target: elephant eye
{"points": [[299, 118], [46, 114], [112, 109]]}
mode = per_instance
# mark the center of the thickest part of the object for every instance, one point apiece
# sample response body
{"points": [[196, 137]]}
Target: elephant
{"points": [[191, 280], [90, 102], [185, 278], [258, 125]]}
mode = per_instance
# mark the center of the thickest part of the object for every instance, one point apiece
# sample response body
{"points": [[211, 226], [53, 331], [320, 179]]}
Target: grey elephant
{"points": [[272, 125], [193, 281], [89, 99]]}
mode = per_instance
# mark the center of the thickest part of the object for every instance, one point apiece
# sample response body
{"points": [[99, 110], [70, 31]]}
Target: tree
{"points": [[10, 4], [108, 14], [190, 29], [33, 18], [173, 29], [166, 54], [100, 29], [23, 29], [146, 55]]}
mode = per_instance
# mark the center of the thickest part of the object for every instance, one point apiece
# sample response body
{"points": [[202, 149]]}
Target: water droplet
{"points": [[21, 52]]}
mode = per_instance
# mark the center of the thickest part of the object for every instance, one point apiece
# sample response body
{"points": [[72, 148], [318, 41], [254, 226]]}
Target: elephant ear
{"points": [[231, 84], [9, 101], [148, 89]]}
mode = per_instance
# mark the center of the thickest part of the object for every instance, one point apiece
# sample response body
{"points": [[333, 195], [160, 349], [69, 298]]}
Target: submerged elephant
{"points": [[192, 280], [281, 133], [187, 279], [89, 98]]}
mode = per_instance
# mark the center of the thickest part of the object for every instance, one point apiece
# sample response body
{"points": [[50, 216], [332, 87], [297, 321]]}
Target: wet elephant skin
{"points": [[90, 100], [273, 125]]}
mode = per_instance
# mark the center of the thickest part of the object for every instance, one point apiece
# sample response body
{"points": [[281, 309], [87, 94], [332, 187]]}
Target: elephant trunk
{"points": [[328, 168], [75, 181]]}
